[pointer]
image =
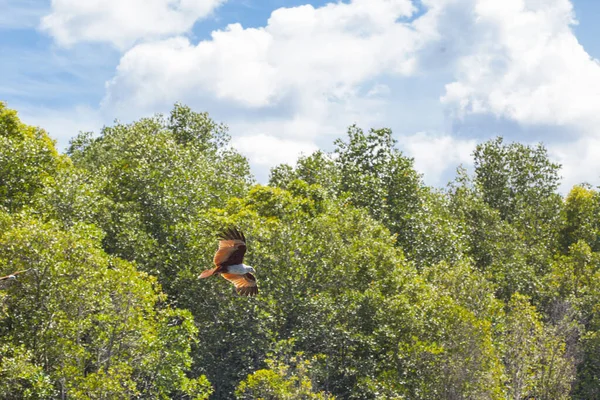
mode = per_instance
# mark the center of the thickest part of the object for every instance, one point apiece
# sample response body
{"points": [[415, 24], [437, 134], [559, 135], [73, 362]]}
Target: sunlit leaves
{"points": [[289, 376], [20, 378], [157, 173], [582, 208], [371, 285], [520, 182], [535, 356], [27, 159], [92, 322]]}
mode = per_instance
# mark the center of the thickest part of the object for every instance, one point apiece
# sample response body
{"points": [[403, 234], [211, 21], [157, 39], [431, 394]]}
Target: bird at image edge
{"points": [[229, 264], [12, 276], [8, 278]]}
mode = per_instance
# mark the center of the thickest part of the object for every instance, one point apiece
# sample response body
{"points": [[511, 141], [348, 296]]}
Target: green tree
{"points": [[371, 284], [156, 173], [91, 323], [574, 281], [368, 171], [20, 378], [288, 377], [521, 183], [515, 176], [512, 214], [28, 158], [298, 241], [535, 357], [495, 245], [582, 209], [379, 178]]}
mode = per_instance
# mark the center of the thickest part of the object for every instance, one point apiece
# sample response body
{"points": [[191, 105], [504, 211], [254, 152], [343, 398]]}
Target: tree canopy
{"points": [[373, 285]]}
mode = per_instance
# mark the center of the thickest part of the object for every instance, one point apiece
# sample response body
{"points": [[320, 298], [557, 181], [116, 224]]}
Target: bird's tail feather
{"points": [[208, 272]]}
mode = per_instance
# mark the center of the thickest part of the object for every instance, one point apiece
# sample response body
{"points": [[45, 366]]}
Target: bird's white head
{"points": [[12, 277], [246, 269]]}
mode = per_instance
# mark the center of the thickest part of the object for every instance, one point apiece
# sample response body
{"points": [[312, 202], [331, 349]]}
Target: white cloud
{"points": [[379, 90], [528, 66], [525, 64], [437, 154], [265, 151], [579, 159], [302, 54], [122, 22], [231, 70], [269, 151], [309, 69], [310, 72]]}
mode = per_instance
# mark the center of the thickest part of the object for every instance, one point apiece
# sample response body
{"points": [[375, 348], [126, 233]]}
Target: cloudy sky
{"points": [[289, 76]]}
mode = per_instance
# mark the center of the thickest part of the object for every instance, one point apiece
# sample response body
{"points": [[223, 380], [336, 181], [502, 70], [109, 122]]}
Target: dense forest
{"points": [[372, 284]]}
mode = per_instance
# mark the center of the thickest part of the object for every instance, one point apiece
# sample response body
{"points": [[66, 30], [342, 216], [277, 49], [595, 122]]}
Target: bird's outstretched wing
{"points": [[244, 284], [13, 275], [232, 247]]}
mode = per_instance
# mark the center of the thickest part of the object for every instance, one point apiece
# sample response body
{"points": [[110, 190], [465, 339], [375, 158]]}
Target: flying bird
{"points": [[12, 276], [229, 264]]}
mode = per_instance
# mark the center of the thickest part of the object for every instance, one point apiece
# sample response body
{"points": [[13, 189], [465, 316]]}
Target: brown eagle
{"points": [[229, 264]]}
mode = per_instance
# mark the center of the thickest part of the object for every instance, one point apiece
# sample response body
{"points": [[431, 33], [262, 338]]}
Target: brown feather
{"points": [[230, 252], [208, 272], [232, 247], [232, 234], [244, 284]]}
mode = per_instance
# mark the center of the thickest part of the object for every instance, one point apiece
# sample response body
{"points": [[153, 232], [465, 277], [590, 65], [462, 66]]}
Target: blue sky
{"points": [[288, 77]]}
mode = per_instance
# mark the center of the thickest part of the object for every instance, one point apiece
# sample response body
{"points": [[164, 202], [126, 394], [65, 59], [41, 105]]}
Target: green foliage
{"points": [[302, 256], [20, 378], [371, 284], [368, 171], [379, 178], [92, 322], [154, 174], [73, 195], [536, 360], [520, 182], [287, 378], [575, 280], [446, 350], [582, 207], [336, 283], [513, 177], [588, 383], [27, 159], [512, 253]]}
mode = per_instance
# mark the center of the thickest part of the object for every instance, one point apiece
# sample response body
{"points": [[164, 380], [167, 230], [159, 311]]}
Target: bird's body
{"points": [[239, 269], [229, 264]]}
